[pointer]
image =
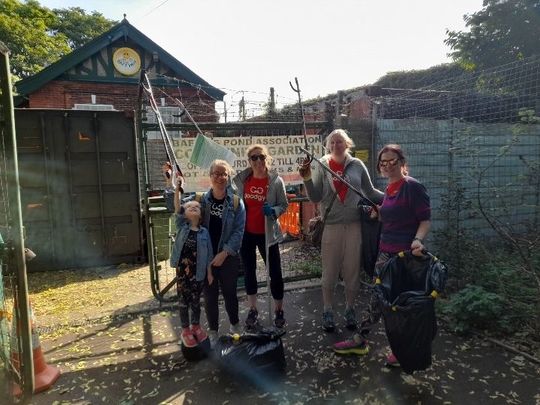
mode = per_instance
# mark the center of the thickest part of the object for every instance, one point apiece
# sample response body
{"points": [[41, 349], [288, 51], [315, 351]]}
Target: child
{"points": [[191, 255]]}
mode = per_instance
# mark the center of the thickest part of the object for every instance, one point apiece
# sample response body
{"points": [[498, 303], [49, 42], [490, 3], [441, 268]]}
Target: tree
{"points": [[24, 29], [503, 31], [38, 36], [80, 27]]}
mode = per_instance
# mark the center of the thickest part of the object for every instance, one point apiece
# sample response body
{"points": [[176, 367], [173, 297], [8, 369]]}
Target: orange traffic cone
{"points": [[44, 375]]}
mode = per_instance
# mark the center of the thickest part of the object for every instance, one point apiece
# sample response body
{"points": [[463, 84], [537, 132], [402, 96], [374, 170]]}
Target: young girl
{"points": [[191, 255]]}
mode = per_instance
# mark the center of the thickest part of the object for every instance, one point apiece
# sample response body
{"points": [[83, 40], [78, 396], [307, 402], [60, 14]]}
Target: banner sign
{"points": [[285, 152]]}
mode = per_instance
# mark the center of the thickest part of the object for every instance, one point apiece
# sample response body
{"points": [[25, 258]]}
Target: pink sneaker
{"points": [[187, 338], [198, 332], [391, 361], [354, 345]]}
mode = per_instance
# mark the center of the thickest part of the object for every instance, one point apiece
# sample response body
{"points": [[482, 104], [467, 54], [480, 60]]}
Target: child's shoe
{"points": [[392, 361], [198, 332], [188, 340], [355, 345]]}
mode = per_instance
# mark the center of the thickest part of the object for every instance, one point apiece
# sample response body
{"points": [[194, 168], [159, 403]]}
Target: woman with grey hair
{"points": [[341, 244]]}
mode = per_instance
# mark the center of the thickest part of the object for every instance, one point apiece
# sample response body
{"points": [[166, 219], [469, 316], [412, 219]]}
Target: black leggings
{"points": [[225, 277], [250, 243]]}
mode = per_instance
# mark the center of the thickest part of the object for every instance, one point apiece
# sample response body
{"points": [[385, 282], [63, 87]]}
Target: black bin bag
{"points": [[252, 356], [371, 233], [406, 290]]}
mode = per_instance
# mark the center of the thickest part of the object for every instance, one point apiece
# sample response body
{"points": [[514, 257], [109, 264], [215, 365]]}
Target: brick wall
{"points": [[65, 94]]}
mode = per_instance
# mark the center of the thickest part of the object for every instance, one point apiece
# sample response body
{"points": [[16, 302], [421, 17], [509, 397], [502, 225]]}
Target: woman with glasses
{"points": [[341, 244], [405, 215], [263, 192], [224, 216]]}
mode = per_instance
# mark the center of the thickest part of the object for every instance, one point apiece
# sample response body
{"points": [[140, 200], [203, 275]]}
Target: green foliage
{"points": [[474, 307], [498, 297], [80, 27], [453, 238], [310, 267], [416, 79], [503, 31], [37, 36], [24, 29], [527, 116]]}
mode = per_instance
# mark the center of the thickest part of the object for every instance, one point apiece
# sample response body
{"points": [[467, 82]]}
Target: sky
{"points": [[244, 47]]}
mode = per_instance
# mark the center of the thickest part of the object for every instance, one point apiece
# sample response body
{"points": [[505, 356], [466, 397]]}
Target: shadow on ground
{"points": [[135, 359]]}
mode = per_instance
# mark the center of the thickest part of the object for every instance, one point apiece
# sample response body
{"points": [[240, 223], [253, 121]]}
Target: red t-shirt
{"points": [[338, 185], [393, 188], [255, 191]]}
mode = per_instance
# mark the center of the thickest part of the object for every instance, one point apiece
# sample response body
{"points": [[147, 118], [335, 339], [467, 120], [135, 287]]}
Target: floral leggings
{"points": [[189, 296]]}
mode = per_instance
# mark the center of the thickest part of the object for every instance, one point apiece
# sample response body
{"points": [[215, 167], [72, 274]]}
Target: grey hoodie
{"points": [[320, 188]]}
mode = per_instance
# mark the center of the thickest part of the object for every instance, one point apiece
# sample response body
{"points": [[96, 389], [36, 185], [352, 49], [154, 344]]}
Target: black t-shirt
{"points": [[216, 221]]}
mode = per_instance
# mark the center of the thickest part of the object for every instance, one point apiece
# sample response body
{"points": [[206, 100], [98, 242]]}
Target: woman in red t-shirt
{"points": [[263, 192]]}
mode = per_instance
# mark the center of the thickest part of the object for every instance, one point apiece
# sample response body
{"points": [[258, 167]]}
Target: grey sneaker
{"points": [[328, 321], [236, 329], [350, 319], [213, 337]]}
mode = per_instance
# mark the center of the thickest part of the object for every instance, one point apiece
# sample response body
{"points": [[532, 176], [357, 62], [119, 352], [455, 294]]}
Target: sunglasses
{"points": [[254, 158], [391, 162]]}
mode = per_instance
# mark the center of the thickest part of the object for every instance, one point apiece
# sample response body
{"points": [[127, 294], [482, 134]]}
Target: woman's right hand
{"points": [[305, 168]]}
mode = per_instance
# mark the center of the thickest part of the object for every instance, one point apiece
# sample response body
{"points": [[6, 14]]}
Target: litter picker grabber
{"points": [[169, 150], [338, 177], [186, 113], [371, 228], [297, 91], [154, 214]]}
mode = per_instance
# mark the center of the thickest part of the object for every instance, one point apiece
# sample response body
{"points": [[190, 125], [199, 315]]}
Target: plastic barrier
{"points": [[290, 220]]}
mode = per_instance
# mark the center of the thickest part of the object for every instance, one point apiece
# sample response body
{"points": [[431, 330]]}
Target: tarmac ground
{"points": [[134, 358]]}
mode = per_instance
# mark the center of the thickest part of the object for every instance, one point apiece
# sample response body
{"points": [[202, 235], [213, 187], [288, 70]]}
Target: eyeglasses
{"points": [[220, 174], [254, 158], [390, 162]]}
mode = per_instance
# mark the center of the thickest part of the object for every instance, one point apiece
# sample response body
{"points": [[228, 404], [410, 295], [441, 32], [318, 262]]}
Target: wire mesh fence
{"points": [[474, 141], [16, 366]]}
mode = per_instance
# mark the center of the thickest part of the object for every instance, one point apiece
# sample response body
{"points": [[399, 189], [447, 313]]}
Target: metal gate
{"points": [[79, 188], [159, 227]]}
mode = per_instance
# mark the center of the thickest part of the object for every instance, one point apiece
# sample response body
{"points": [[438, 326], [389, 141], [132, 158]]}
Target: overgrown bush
{"points": [[474, 307], [499, 296]]}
